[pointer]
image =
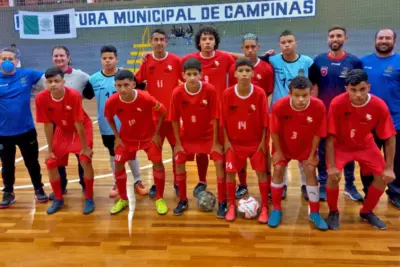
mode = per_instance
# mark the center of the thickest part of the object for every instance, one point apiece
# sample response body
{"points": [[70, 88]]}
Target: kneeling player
{"points": [[352, 116], [135, 109], [73, 135], [195, 105], [298, 122], [244, 117]]}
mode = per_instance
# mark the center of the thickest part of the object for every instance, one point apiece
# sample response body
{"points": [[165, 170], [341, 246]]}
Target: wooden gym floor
{"points": [[30, 237]]}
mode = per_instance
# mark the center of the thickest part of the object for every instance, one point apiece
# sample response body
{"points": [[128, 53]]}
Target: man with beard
{"points": [[328, 75], [383, 69]]}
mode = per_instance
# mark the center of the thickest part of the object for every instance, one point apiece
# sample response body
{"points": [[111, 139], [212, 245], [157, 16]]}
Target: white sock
{"points": [[285, 177], [302, 175], [112, 165], [313, 192], [277, 185], [135, 168]]}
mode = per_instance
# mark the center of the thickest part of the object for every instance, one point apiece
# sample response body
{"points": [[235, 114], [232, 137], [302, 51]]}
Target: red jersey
{"points": [[64, 112], [162, 76], [136, 117], [297, 128], [214, 69], [263, 76], [244, 117], [197, 111], [352, 125]]}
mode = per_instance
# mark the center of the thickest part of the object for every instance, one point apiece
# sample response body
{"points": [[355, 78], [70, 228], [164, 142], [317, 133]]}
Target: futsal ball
{"points": [[206, 201], [248, 207]]}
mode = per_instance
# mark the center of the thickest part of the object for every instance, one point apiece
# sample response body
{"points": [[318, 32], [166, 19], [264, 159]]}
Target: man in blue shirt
{"points": [[17, 127], [383, 69], [328, 76]]}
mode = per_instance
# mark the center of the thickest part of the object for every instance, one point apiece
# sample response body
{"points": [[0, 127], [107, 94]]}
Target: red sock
{"points": [[230, 190], [89, 188], [332, 195], [120, 177], [56, 186], [276, 197], [181, 180], [174, 171], [314, 206], [202, 167], [243, 177], [374, 194], [221, 189], [159, 179], [264, 188]]}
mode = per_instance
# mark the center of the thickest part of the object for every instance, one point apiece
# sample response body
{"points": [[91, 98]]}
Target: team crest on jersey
{"points": [[23, 80], [68, 107], [324, 71], [139, 109], [259, 77], [253, 107], [368, 117], [301, 72], [168, 69], [389, 69], [216, 63], [309, 119], [343, 74], [205, 102]]}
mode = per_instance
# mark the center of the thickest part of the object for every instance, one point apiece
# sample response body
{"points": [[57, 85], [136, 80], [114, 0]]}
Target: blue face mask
{"points": [[7, 66]]}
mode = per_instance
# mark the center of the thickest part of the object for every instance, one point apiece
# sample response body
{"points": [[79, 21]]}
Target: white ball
{"points": [[248, 207]]}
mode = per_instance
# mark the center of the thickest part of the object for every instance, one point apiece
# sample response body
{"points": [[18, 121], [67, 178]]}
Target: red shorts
{"points": [[65, 143], [129, 150], [303, 156], [167, 132], [199, 147], [236, 159], [371, 160]]}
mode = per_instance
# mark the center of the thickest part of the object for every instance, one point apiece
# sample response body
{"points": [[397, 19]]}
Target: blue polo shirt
{"points": [[15, 95]]}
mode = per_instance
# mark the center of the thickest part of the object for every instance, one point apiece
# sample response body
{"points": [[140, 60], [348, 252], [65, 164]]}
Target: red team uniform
{"points": [[162, 76], [351, 126], [244, 119], [263, 76], [64, 113], [297, 128], [137, 127]]}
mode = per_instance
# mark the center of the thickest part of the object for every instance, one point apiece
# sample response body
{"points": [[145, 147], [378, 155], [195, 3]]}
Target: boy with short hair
{"points": [[194, 105], [135, 109], [298, 122]]}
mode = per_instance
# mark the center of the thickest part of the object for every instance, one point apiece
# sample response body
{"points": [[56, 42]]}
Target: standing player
{"points": [[383, 69], [103, 83], [161, 71], [73, 134], [297, 124], [352, 117], [328, 74], [244, 118], [263, 77], [194, 104], [215, 69], [17, 127], [138, 131]]}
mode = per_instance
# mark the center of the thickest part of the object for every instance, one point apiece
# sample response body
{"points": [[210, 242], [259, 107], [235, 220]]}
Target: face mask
{"points": [[7, 66]]}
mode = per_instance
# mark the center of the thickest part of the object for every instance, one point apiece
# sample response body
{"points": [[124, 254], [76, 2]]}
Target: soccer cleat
{"points": [[140, 188], [153, 191], [284, 192], [304, 192], [275, 218], [52, 197], [395, 202], [352, 193], [333, 220], [200, 187], [57, 205], [222, 209], [41, 196], [182, 206], [8, 199], [114, 191], [373, 220], [119, 206], [318, 221], [230, 215], [161, 206], [89, 206], [322, 193], [176, 188], [241, 191], [263, 218]]}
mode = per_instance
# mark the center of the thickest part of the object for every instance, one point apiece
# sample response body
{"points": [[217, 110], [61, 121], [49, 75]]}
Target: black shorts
{"points": [[108, 142]]}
